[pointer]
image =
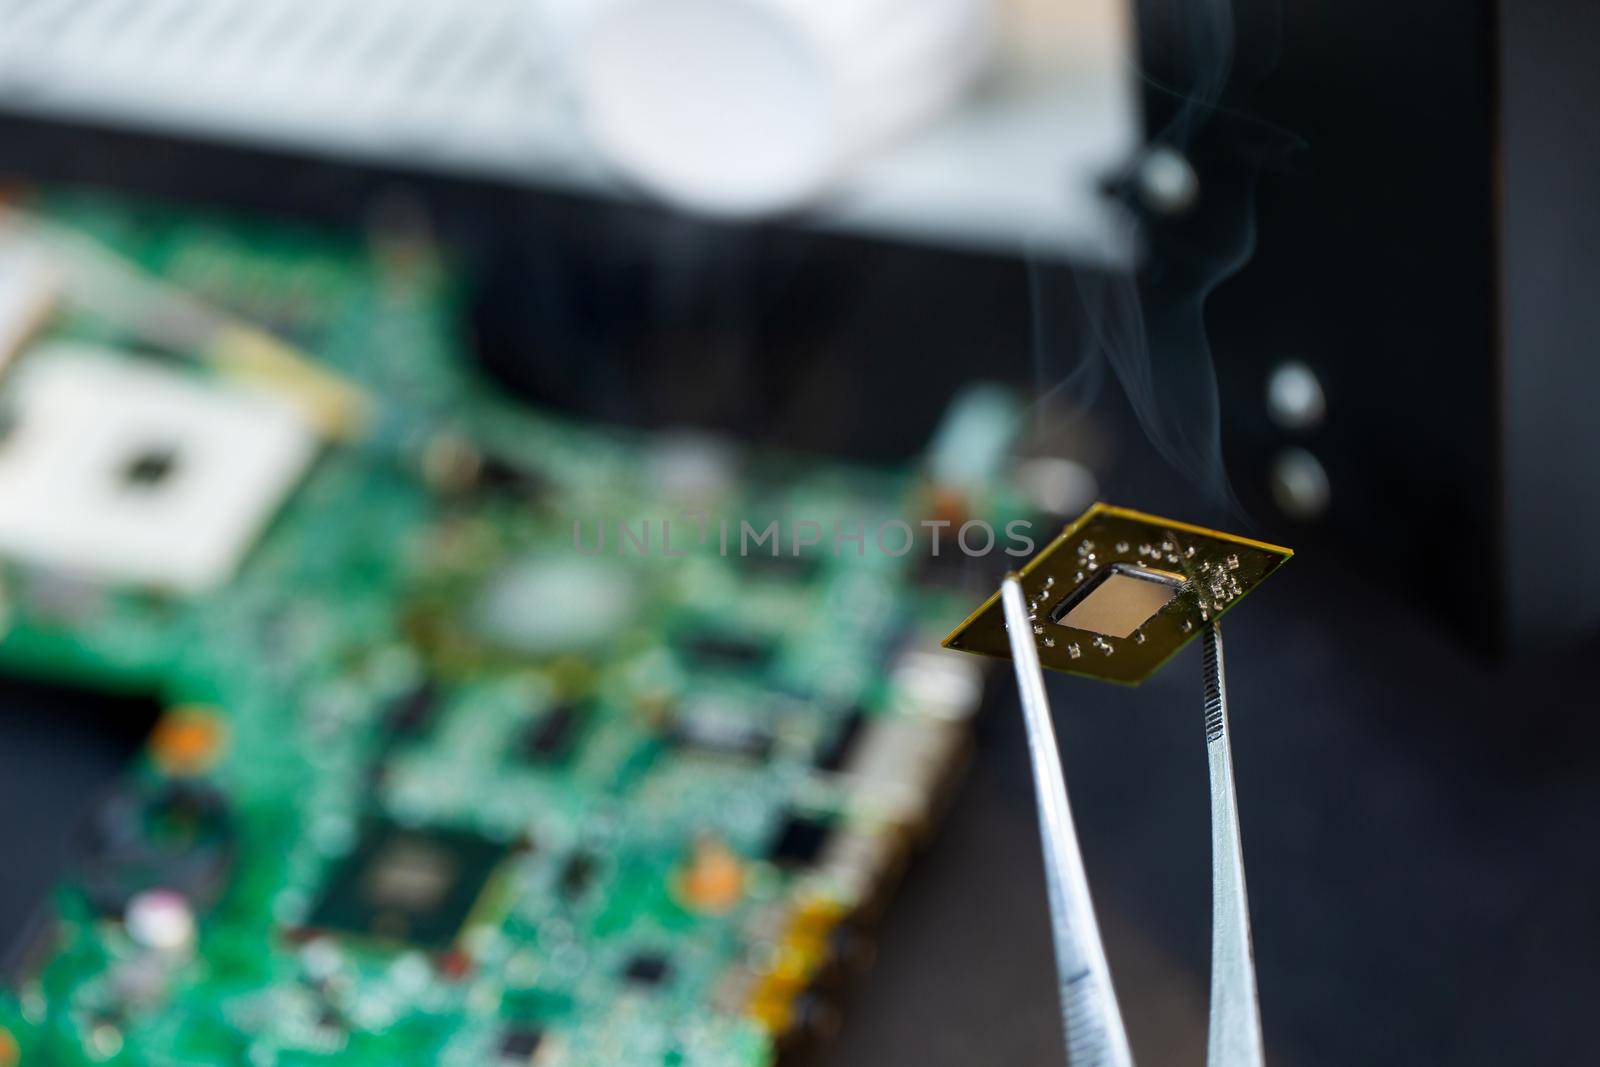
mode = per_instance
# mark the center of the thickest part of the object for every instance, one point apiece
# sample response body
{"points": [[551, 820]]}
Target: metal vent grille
{"points": [[478, 87], [470, 83]]}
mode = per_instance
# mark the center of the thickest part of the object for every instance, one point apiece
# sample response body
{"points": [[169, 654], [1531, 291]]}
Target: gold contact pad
{"points": [[1119, 592]]}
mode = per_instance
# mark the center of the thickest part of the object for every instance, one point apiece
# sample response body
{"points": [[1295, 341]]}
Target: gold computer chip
{"points": [[1120, 591]]}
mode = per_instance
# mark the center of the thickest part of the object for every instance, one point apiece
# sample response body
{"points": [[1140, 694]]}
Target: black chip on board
{"points": [[412, 713], [502, 474], [177, 834], [578, 875], [836, 753], [647, 969], [519, 1043], [553, 736], [407, 886], [800, 841], [726, 651]]}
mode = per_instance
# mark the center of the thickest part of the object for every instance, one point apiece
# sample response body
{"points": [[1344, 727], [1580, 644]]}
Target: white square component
{"points": [[120, 470], [28, 287]]}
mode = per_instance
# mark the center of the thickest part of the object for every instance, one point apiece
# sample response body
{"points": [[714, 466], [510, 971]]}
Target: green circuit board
{"points": [[445, 781]]}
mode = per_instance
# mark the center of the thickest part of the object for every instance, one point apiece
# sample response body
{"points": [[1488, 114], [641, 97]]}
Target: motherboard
{"points": [[492, 737]]}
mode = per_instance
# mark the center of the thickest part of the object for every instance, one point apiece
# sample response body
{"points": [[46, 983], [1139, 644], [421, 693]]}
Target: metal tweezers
{"points": [[1092, 1023]]}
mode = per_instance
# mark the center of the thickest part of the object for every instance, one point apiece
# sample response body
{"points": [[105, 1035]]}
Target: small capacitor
{"points": [[161, 920]]}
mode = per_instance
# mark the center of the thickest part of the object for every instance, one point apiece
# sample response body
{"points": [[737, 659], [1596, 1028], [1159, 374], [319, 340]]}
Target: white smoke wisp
{"points": [[1148, 324]]}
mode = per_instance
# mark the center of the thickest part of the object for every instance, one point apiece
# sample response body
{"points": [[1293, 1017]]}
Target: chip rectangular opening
{"points": [[1118, 601]]}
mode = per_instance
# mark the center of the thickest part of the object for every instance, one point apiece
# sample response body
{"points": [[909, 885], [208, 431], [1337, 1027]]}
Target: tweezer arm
{"points": [[1094, 1032], [1235, 1026]]}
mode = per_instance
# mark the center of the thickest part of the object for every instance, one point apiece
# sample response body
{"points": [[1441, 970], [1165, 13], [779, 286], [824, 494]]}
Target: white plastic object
{"points": [[746, 107]]}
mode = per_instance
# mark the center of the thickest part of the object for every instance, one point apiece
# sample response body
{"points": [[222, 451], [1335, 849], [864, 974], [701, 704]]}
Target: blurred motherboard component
{"points": [[1119, 592], [898, 762], [713, 877], [408, 887], [29, 286], [118, 470], [440, 782], [511, 606]]}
